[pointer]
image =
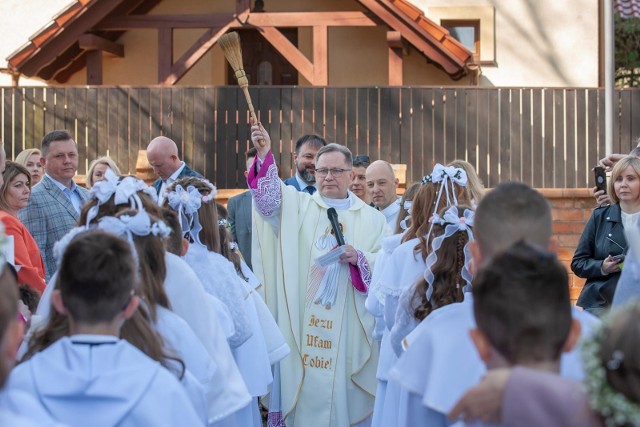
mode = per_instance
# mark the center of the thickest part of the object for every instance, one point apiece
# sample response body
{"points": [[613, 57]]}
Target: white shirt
{"points": [[72, 193], [168, 182], [391, 213]]}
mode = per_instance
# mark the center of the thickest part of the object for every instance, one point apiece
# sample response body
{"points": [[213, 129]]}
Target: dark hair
{"points": [[96, 277], [447, 271], [173, 243], [11, 171], [251, 153], [53, 136], [511, 212], [331, 148], [312, 139], [103, 259], [361, 160], [521, 303], [30, 297], [8, 314]]}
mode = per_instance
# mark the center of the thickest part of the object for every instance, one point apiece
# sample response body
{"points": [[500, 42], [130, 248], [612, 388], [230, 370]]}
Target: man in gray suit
{"points": [[162, 154], [240, 211], [55, 203]]}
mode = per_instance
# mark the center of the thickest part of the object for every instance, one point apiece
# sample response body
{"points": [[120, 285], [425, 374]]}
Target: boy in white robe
{"points": [[440, 361], [93, 377], [509, 333]]}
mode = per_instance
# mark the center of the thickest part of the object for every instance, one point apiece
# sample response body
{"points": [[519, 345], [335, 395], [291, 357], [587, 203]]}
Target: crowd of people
{"points": [[332, 298]]}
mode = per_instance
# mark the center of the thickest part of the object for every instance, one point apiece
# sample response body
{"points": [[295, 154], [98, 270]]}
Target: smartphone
{"points": [[601, 178], [618, 257]]}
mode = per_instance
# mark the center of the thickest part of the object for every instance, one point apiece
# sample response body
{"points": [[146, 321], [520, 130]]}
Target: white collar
{"points": [[176, 174], [340, 204], [60, 185]]}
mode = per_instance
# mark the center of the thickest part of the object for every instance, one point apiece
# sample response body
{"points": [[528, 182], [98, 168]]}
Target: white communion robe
{"points": [[100, 381], [227, 393], [329, 377], [440, 363]]}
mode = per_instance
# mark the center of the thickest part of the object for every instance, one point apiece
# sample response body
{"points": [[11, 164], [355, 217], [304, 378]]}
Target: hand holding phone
{"points": [[618, 257], [601, 178]]}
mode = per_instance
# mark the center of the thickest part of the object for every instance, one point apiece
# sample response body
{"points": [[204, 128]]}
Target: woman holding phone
{"points": [[599, 257]]}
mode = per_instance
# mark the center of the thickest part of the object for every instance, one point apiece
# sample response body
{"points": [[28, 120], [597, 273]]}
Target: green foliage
{"points": [[627, 51]]}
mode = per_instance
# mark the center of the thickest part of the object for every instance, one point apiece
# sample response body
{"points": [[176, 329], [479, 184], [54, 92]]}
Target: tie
{"points": [[310, 189]]}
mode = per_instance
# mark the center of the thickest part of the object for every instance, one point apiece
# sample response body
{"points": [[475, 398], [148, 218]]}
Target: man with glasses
{"points": [[359, 184], [316, 290], [304, 160]]}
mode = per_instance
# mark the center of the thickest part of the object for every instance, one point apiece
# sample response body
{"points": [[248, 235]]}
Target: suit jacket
{"points": [[186, 171], [240, 212], [48, 216], [293, 182], [594, 246]]}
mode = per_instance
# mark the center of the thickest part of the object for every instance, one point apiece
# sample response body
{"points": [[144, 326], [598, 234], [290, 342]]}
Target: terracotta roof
{"points": [[53, 53], [431, 39], [627, 8]]}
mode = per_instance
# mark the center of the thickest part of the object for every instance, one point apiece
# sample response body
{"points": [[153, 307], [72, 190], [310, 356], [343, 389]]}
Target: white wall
{"points": [[537, 42]]}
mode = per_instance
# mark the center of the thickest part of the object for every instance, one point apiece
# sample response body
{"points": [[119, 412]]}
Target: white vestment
{"points": [[329, 377], [101, 380]]}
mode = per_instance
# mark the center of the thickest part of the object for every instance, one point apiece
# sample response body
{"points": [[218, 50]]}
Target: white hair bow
{"points": [[186, 203]]}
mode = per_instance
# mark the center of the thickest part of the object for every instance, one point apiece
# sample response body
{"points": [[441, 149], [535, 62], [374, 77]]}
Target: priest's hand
{"points": [[258, 133], [350, 255]]}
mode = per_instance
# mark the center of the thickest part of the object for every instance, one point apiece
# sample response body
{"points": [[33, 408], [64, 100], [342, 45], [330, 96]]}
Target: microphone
{"points": [[333, 219]]}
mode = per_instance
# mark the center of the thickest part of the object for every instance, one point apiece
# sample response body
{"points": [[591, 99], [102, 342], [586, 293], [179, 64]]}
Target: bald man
{"points": [[162, 154], [383, 184]]}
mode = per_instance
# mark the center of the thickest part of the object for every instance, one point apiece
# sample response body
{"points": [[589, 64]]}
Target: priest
{"points": [[316, 278]]}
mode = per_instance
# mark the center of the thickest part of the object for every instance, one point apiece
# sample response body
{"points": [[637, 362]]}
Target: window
{"points": [[466, 32]]}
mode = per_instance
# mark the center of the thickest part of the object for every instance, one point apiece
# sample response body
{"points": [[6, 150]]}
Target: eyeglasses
{"points": [[361, 160], [335, 172]]}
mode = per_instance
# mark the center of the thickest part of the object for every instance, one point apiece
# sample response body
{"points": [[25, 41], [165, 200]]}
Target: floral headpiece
{"points": [[187, 203], [453, 222], [614, 406], [123, 190], [222, 221]]}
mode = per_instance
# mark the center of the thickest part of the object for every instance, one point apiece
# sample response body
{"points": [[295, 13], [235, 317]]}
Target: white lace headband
{"points": [[452, 223], [187, 203]]}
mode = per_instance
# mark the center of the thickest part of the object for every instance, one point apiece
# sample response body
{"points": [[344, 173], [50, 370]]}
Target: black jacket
{"points": [[596, 243]]}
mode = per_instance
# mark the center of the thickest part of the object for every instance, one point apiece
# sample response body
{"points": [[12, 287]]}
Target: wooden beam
{"points": [[265, 19], [72, 32], [95, 42], [194, 54], [289, 51], [165, 53], [94, 67], [320, 53], [421, 39]]}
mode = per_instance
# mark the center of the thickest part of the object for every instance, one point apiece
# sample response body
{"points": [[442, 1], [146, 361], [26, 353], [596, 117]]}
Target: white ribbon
{"points": [[453, 223], [186, 203]]}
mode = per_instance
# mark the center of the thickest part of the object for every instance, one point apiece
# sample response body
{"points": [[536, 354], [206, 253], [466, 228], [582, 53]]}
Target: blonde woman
{"points": [[30, 159], [97, 169]]}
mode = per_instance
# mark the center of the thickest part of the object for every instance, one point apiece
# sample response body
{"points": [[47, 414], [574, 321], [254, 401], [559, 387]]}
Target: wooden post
{"points": [[165, 53], [94, 67], [394, 40], [320, 53]]}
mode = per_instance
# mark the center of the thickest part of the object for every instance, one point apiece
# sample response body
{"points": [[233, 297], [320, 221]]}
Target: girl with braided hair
{"points": [[446, 275]]}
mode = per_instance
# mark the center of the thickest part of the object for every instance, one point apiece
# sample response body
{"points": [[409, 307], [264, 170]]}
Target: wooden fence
{"points": [[545, 137]]}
